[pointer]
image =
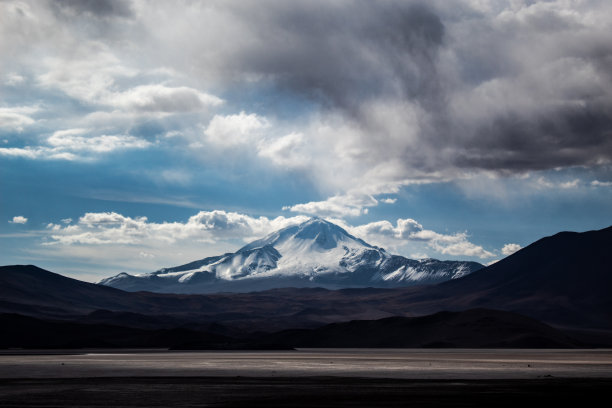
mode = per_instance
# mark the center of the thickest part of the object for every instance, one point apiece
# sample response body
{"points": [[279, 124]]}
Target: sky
{"points": [[136, 135]]}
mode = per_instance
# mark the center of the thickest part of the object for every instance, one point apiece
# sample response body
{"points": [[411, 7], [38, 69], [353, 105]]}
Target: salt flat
{"points": [[368, 363]]}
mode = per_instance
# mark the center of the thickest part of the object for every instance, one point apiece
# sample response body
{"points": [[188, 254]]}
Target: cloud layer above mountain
{"points": [[396, 92], [144, 242]]}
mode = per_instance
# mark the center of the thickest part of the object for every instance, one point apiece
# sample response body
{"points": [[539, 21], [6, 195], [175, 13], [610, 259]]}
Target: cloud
{"points": [[14, 79], [72, 140], [19, 219], [509, 249], [415, 86], [94, 72], [570, 184], [94, 8], [144, 245], [74, 144], [232, 130], [336, 206], [379, 95], [36, 153], [405, 229], [543, 182], [110, 228], [597, 183], [386, 48], [286, 151], [458, 245], [160, 98], [98, 77], [408, 230], [16, 118]]}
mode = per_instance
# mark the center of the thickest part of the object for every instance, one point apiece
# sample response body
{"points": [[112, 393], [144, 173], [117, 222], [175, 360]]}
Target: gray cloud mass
{"points": [[96, 8], [344, 54], [401, 91], [505, 89]]}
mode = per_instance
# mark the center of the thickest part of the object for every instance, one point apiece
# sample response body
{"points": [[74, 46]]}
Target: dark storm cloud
{"points": [[508, 90], [563, 138], [546, 91], [433, 90], [97, 8], [346, 53]]}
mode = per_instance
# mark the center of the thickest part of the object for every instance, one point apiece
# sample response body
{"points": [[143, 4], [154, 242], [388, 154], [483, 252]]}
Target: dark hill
{"points": [[564, 279], [28, 332], [471, 328], [28, 289]]}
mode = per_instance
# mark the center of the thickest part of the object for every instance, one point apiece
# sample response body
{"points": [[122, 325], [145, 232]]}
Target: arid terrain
{"points": [[307, 377]]}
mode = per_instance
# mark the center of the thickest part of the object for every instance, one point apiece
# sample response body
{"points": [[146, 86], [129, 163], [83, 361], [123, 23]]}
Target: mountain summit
{"points": [[316, 253]]}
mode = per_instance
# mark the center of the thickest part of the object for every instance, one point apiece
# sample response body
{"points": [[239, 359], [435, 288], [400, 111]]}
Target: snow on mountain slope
{"points": [[314, 253]]}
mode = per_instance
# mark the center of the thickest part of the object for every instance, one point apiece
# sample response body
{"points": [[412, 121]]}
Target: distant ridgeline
{"points": [[316, 253], [563, 280]]}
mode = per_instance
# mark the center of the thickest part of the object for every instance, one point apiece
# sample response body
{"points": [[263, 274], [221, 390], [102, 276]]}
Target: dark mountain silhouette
{"points": [[28, 289], [32, 291], [564, 279], [29, 332], [472, 328]]}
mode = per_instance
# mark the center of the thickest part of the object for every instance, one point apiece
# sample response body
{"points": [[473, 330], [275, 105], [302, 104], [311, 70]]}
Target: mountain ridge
{"points": [[564, 280], [311, 254]]}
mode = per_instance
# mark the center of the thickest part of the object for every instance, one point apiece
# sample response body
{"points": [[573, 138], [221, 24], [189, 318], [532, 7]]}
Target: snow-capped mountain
{"points": [[316, 253]]}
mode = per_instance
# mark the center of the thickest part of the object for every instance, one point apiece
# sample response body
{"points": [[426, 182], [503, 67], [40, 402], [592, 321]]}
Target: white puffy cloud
{"points": [[145, 245], [458, 245], [404, 229], [18, 219], [410, 231], [509, 249], [110, 228], [597, 183], [232, 130]]}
